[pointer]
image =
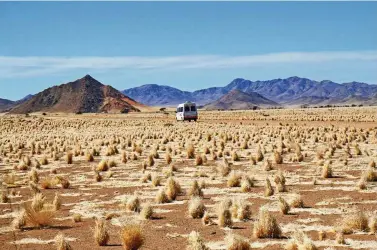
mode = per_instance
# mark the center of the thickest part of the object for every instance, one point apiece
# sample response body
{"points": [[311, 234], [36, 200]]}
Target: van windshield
{"points": [[193, 108]]}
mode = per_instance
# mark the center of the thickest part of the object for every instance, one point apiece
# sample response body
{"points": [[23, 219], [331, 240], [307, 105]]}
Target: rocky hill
{"points": [[86, 95], [237, 99]]}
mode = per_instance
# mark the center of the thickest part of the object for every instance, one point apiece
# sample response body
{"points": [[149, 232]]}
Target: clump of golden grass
{"points": [[327, 171], [132, 237], [321, 235], [44, 160], [146, 177], [297, 202], [224, 169], [133, 204], [339, 238], [198, 160], [236, 242], [278, 158], [57, 202], [300, 241], [224, 215], [246, 184], [267, 165], [172, 188], [38, 201], [196, 207], [190, 150], [280, 182], [156, 180], [268, 191], [372, 224], [76, 218], [19, 221], [234, 179], [48, 183], [243, 210], [284, 206], [97, 176], [89, 157], [150, 160], [206, 219], [168, 158], [370, 174], [33, 175], [266, 226], [195, 190], [161, 197], [39, 218], [235, 156], [69, 158], [4, 197], [101, 236], [259, 156], [362, 184], [9, 179], [61, 243], [102, 166], [146, 211], [357, 221], [195, 242]]}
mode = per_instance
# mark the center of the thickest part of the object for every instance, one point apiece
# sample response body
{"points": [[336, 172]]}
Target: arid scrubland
{"points": [[266, 179]]}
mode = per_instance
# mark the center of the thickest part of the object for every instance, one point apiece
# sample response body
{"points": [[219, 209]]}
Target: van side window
{"points": [[187, 108], [193, 108], [180, 109]]}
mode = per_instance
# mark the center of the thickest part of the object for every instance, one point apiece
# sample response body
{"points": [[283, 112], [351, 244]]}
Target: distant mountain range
{"points": [[89, 95], [289, 91], [236, 99], [85, 95]]}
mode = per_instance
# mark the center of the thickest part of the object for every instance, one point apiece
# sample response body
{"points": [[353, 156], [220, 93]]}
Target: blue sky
{"points": [[188, 45]]}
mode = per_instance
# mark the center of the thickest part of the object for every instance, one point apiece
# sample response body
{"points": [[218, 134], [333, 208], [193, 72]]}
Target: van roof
{"points": [[185, 103]]}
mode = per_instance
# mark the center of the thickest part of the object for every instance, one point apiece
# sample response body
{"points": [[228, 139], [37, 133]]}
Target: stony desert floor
{"points": [[267, 179]]}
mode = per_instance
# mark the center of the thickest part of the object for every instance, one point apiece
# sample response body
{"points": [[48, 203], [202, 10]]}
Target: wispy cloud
{"points": [[40, 66]]}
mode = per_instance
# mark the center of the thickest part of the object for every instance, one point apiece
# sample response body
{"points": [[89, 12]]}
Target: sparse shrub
{"points": [[102, 166], [132, 237], [236, 242], [327, 171], [172, 188], [195, 242], [278, 158], [297, 202], [266, 226], [246, 184], [284, 206], [39, 218], [77, 218], [69, 158], [61, 243], [268, 191], [195, 190], [224, 215], [235, 156], [133, 204], [190, 152], [300, 241], [161, 197], [234, 179], [357, 221], [101, 236], [146, 211], [57, 202], [196, 207]]}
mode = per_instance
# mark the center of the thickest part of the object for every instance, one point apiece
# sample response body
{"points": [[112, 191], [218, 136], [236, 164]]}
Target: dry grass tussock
{"points": [[101, 235], [132, 237], [266, 226]]}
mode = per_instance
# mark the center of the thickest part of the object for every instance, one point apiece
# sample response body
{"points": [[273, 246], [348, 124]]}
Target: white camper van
{"points": [[186, 111]]}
